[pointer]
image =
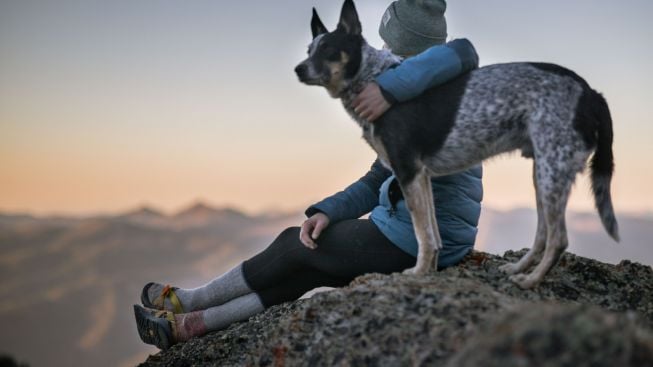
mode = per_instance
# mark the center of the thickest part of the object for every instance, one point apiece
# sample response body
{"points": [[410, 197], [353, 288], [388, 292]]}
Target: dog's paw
{"points": [[417, 270], [410, 271], [524, 281], [509, 268]]}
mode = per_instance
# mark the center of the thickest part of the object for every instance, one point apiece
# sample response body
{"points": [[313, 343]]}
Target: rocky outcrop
{"points": [[585, 313]]}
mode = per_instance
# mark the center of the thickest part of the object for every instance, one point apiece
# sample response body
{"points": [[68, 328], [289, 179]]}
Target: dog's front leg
{"points": [[419, 198]]}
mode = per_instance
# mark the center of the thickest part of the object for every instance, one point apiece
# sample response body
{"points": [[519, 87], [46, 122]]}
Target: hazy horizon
{"points": [[105, 106], [297, 211]]}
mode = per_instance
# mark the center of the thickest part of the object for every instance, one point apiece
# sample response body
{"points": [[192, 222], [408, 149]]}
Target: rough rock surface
{"points": [[585, 313]]}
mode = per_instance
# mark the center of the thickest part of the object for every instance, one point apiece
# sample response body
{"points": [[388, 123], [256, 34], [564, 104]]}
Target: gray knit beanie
{"points": [[409, 27]]}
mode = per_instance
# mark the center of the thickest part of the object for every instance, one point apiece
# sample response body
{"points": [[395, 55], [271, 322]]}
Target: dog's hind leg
{"points": [[419, 198], [554, 177], [540, 237]]}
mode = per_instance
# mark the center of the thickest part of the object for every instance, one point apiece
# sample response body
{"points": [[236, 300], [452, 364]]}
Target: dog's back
{"points": [[540, 109], [483, 113]]}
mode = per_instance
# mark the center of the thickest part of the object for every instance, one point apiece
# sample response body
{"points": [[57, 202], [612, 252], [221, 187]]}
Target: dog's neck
{"points": [[373, 63]]}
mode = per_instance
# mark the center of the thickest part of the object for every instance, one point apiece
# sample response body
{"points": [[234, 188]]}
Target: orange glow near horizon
{"points": [[50, 185], [190, 102]]}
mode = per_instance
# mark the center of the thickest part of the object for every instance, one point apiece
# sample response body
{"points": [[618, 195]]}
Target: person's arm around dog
{"points": [[435, 66]]}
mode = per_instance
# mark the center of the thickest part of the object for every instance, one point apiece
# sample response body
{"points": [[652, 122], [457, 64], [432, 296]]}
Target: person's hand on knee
{"points": [[311, 229]]}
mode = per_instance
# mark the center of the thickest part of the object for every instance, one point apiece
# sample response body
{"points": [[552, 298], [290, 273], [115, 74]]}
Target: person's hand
{"points": [[311, 229], [370, 104]]}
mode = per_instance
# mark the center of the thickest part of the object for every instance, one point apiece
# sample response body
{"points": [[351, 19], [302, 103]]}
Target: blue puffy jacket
{"points": [[457, 197]]}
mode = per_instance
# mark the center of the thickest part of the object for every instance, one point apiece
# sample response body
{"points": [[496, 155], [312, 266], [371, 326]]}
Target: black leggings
{"points": [[287, 269]]}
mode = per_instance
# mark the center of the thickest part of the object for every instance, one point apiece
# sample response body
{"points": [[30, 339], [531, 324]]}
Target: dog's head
{"points": [[333, 57]]}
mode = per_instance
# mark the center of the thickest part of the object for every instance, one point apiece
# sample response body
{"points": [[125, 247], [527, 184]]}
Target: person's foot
{"points": [[155, 327], [161, 297], [164, 328]]}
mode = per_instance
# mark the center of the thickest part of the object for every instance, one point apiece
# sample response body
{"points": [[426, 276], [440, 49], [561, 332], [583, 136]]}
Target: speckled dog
{"points": [[546, 111]]}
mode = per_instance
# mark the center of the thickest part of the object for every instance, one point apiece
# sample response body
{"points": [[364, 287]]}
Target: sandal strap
{"points": [[170, 317], [168, 292]]}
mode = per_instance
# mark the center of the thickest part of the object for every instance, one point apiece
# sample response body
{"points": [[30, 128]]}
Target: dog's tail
{"points": [[602, 165]]}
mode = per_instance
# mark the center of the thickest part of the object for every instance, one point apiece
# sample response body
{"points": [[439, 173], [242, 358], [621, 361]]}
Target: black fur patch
{"points": [[418, 127], [585, 110]]}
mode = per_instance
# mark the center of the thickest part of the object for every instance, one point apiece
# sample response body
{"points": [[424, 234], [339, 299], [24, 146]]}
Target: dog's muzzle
{"points": [[304, 74]]}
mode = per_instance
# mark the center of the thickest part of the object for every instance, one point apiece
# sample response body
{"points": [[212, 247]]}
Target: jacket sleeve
{"points": [[435, 66], [357, 199]]}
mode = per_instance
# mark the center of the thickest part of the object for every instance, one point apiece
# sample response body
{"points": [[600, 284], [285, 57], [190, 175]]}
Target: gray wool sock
{"points": [[198, 323], [220, 290], [238, 309]]}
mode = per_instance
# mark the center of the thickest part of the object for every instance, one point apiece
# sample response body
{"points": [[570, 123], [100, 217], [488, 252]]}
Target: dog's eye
{"points": [[331, 54], [327, 50]]}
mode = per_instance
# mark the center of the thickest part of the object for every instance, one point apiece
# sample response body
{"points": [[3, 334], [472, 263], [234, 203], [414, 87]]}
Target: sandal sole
{"points": [[153, 330]]}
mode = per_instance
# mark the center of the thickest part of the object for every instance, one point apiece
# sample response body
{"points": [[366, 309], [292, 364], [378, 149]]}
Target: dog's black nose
{"points": [[301, 71]]}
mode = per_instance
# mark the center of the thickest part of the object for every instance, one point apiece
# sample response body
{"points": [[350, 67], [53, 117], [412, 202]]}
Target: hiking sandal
{"points": [[155, 327], [159, 302]]}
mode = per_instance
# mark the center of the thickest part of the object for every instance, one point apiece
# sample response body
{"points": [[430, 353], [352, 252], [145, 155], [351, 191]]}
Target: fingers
{"points": [[305, 234], [319, 226], [371, 112], [365, 109], [357, 101], [365, 112], [378, 111], [362, 100], [311, 229], [360, 106], [365, 94]]}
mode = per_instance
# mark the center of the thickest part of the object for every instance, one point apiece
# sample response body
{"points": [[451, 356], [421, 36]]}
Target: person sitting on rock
{"points": [[333, 246]]}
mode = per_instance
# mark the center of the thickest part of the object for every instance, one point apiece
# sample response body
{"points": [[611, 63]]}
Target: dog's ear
{"points": [[316, 25], [349, 19]]}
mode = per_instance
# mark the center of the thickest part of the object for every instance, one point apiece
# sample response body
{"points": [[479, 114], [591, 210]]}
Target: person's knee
{"points": [[278, 258], [289, 234], [288, 241]]}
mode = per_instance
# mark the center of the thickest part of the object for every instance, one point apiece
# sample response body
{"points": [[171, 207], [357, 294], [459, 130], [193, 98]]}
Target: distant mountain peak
{"points": [[197, 208], [202, 208], [200, 214], [146, 210]]}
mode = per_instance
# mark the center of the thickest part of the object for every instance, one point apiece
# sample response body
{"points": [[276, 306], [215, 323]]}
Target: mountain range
{"points": [[68, 284]]}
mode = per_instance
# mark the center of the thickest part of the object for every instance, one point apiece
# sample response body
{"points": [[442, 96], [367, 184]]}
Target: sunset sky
{"points": [[106, 105]]}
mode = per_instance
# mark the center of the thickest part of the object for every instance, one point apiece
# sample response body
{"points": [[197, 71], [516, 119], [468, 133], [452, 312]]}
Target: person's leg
{"points": [[297, 285], [241, 308], [344, 251], [285, 271], [198, 323], [232, 284], [220, 290]]}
